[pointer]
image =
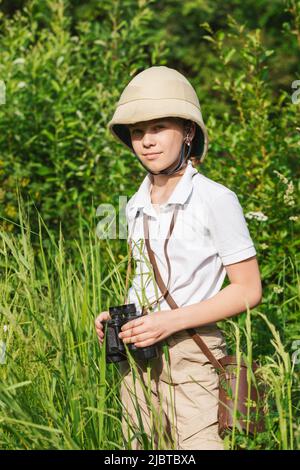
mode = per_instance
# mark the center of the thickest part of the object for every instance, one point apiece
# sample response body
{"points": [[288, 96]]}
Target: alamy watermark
{"points": [[296, 353], [187, 227], [295, 95], [2, 92], [2, 352]]}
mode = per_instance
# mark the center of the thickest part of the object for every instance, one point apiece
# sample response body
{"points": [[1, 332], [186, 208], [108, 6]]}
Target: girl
{"points": [[158, 117]]}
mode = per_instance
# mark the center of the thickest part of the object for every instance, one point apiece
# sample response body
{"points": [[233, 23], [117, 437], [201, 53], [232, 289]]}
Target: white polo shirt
{"points": [[210, 232]]}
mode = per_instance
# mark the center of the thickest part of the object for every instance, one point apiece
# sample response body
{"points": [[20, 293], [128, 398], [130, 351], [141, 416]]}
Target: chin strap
{"points": [[170, 170]]}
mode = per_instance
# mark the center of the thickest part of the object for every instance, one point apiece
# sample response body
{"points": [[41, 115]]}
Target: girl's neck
{"points": [[162, 183]]}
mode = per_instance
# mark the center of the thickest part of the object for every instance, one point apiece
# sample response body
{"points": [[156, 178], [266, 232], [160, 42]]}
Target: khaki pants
{"points": [[174, 403]]}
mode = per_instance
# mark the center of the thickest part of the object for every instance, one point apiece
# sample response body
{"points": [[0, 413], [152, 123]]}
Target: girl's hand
{"points": [[103, 316], [148, 329]]}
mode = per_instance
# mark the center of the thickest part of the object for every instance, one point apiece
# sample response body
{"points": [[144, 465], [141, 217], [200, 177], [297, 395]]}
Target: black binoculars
{"points": [[115, 348]]}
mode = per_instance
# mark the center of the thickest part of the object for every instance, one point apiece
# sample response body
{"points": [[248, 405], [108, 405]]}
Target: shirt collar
{"points": [[181, 192]]}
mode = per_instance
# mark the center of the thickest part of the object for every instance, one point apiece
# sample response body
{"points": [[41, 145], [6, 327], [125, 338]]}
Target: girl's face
{"points": [[158, 142]]}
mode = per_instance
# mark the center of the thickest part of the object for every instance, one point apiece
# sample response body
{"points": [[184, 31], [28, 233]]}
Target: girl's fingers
{"points": [[137, 325], [134, 331], [137, 338], [104, 316], [98, 323]]}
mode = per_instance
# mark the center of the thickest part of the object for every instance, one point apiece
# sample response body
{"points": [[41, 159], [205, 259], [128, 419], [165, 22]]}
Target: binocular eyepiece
{"points": [[115, 348]]}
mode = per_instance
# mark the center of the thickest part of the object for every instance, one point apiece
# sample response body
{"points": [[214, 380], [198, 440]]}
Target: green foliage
{"points": [[61, 87], [65, 64]]}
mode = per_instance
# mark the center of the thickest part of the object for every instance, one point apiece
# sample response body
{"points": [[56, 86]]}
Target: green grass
{"points": [[56, 390]]}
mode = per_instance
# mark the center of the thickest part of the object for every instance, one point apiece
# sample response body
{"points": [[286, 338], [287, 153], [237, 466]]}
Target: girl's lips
{"points": [[153, 156]]}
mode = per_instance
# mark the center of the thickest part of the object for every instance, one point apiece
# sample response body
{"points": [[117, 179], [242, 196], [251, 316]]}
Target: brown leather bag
{"points": [[235, 392]]}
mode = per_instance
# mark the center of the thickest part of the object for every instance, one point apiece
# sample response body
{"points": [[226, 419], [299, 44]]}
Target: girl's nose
{"points": [[148, 139]]}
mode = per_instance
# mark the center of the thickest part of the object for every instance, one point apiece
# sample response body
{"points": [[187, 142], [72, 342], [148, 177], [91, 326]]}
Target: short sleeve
{"points": [[229, 230]]}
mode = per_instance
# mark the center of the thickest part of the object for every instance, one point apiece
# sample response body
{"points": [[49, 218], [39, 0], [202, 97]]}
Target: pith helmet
{"points": [[158, 92]]}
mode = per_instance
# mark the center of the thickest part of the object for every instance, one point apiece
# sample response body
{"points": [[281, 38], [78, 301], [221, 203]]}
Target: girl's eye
{"points": [[136, 131]]}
